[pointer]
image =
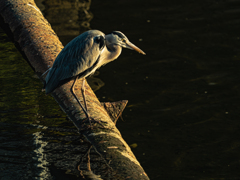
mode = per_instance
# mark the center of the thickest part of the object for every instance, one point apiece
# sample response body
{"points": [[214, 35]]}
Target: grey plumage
{"points": [[77, 58]]}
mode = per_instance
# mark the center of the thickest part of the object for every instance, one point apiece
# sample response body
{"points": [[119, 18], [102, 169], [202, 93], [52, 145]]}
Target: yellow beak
{"points": [[133, 47]]}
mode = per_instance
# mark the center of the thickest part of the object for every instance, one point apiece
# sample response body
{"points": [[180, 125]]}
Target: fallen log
{"points": [[39, 45]]}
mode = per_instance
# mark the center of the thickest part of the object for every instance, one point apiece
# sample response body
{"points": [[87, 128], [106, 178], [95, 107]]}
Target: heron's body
{"points": [[78, 58], [83, 55]]}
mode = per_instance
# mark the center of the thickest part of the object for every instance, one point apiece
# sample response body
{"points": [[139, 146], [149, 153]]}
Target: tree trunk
{"points": [[39, 45]]}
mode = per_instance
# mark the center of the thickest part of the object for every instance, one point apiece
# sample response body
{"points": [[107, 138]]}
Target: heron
{"points": [[82, 56]]}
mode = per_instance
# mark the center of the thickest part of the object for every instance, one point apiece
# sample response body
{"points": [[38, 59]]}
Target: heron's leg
{"points": [[83, 93], [85, 110], [84, 99], [72, 90]]}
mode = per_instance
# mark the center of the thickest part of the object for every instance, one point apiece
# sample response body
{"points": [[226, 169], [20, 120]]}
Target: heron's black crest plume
{"points": [[119, 34]]}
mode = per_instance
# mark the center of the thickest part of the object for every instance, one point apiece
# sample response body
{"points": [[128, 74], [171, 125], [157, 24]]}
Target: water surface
{"points": [[183, 110]]}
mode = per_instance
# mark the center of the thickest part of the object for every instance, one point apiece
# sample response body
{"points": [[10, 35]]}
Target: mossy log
{"points": [[33, 36]]}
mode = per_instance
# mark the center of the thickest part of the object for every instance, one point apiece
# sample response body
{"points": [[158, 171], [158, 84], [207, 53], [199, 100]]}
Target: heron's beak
{"points": [[131, 46]]}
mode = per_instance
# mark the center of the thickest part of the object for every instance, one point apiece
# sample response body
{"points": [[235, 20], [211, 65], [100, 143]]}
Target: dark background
{"points": [[183, 110]]}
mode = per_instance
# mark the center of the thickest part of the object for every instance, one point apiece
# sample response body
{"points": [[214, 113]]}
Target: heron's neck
{"points": [[113, 51]]}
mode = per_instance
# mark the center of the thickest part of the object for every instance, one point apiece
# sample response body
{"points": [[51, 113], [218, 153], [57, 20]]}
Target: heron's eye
{"points": [[123, 40]]}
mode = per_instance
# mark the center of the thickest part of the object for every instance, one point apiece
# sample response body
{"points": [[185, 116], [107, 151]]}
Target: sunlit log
{"points": [[39, 45]]}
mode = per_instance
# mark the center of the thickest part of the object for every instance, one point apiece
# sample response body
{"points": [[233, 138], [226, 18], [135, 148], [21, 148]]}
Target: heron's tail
{"points": [[44, 86], [46, 72], [51, 81]]}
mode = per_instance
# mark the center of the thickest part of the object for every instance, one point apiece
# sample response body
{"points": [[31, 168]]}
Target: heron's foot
{"points": [[93, 121]]}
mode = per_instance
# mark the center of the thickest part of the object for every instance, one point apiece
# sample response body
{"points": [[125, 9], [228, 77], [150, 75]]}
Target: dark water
{"points": [[183, 110]]}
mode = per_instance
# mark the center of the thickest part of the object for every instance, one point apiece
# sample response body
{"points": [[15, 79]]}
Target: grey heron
{"points": [[83, 56]]}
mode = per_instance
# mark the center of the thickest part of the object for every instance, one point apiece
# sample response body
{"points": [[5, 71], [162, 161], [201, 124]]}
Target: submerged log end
{"points": [[115, 109]]}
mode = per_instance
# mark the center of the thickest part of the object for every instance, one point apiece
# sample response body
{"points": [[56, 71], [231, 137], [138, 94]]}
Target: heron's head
{"points": [[118, 38]]}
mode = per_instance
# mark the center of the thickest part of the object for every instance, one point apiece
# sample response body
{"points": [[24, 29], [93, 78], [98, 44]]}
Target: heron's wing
{"points": [[76, 58]]}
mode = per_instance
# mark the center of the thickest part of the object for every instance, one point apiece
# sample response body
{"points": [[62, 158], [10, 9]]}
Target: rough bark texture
{"points": [[115, 109], [39, 45]]}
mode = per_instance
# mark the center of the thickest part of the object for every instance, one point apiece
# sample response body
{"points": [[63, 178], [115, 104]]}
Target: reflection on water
{"points": [[183, 95], [22, 153]]}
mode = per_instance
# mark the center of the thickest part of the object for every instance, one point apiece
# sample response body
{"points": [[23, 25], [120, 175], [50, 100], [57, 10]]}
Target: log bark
{"points": [[39, 45]]}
